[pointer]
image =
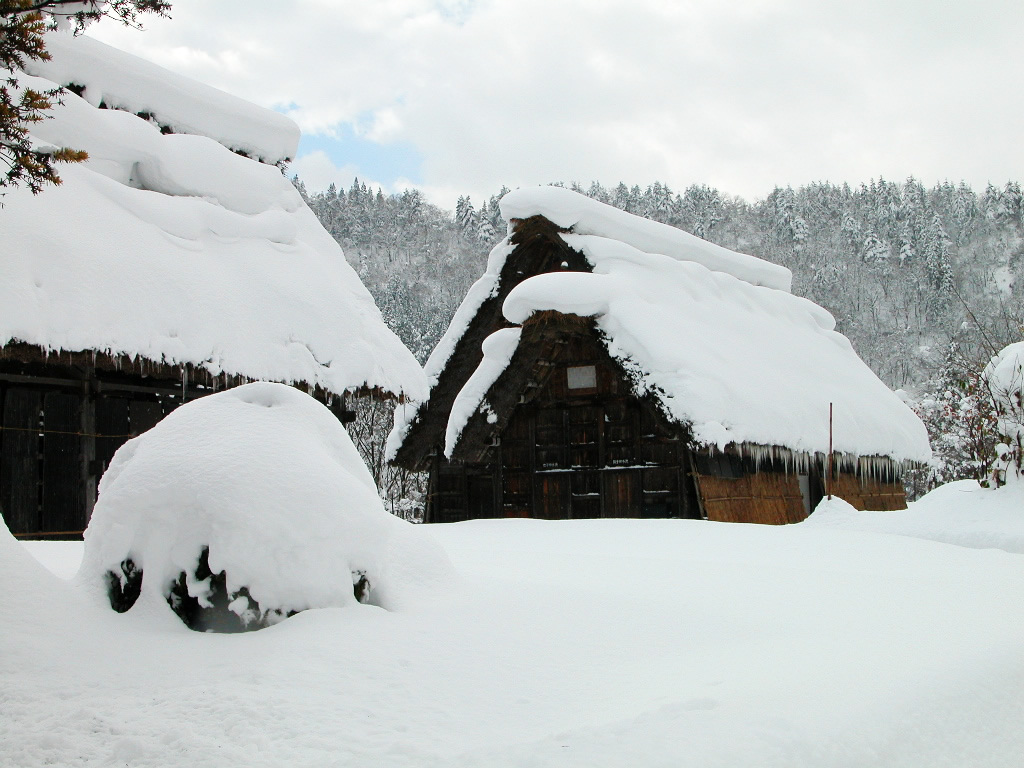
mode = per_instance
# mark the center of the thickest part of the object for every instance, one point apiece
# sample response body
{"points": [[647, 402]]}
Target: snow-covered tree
{"points": [[465, 214], [1004, 379], [958, 412]]}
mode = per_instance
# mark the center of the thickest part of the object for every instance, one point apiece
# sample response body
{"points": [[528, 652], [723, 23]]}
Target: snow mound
{"points": [[175, 249], [584, 216], [119, 80], [835, 513], [961, 513], [622, 643], [267, 480]]}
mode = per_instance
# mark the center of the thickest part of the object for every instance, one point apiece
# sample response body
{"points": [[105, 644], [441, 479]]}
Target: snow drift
{"points": [[266, 480], [961, 513], [650, 643]]}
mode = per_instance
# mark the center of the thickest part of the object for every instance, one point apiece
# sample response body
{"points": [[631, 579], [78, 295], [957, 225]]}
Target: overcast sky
{"points": [[461, 96]]}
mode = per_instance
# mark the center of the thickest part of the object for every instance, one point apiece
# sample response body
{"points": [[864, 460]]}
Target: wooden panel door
{"points": [[621, 493], [19, 460], [586, 494], [552, 495], [63, 487]]}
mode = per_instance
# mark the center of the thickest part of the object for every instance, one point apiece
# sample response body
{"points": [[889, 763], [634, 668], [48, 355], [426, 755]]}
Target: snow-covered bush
{"points": [[244, 507], [1004, 376], [957, 411]]}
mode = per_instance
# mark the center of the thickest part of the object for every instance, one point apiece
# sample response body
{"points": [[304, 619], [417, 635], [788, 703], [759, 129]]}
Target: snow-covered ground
{"points": [[562, 643], [961, 513]]}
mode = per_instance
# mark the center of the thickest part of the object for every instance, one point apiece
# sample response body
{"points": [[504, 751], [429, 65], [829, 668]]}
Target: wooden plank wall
{"points": [[54, 446]]}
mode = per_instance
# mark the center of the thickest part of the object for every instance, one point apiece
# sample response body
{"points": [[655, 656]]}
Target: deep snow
{"points": [[175, 249], [119, 80], [960, 513], [585, 216], [565, 643], [265, 478]]}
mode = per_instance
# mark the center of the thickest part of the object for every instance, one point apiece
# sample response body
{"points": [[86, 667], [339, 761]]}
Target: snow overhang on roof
{"points": [[583, 216], [119, 80], [175, 249], [737, 363]]}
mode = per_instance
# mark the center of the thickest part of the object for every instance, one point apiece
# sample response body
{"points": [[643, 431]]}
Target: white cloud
{"points": [[741, 96]]}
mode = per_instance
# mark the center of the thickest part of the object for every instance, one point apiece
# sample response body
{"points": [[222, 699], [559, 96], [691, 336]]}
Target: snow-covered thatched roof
{"points": [[176, 249], [713, 336], [584, 216], [119, 80]]}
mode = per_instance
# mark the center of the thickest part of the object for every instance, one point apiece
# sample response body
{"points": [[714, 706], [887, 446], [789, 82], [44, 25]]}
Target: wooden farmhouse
{"points": [[610, 366], [177, 261]]}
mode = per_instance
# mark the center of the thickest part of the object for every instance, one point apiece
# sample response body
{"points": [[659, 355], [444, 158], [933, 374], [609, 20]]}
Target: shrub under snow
{"points": [[1005, 378], [244, 507]]}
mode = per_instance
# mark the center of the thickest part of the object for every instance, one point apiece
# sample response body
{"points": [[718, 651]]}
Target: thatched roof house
{"points": [[169, 265], [606, 365]]}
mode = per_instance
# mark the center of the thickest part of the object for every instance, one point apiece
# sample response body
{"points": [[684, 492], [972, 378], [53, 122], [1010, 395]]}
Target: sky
{"points": [[460, 97]]}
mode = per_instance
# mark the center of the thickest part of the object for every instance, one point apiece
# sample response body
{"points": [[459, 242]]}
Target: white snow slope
{"points": [[960, 513], [584, 216], [176, 249], [590, 644], [119, 80]]}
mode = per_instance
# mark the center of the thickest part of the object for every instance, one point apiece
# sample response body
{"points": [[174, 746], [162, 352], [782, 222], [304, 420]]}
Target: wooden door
{"points": [[621, 493], [19, 460], [552, 495], [63, 509]]}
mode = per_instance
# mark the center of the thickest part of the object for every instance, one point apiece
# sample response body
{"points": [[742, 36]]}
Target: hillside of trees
{"points": [[927, 283]]}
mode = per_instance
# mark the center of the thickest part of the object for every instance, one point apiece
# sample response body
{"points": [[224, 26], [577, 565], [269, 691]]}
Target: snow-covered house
{"points": [[176, 261], [607, 365]]}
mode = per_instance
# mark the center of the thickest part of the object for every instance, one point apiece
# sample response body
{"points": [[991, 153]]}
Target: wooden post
{"points": [[830, 463]]}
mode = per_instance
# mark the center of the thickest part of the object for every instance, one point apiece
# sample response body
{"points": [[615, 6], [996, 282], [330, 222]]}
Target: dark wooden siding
{"points": [[20, 458], [572, 452], [55, 443]]}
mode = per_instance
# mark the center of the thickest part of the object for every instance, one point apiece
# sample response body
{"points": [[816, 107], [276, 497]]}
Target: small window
{"points": [[582, 377]]}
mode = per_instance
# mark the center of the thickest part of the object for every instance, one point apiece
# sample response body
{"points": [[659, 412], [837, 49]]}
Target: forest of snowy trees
{"points": [[927, 283]]}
